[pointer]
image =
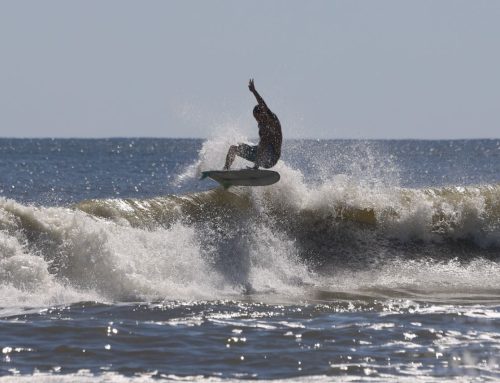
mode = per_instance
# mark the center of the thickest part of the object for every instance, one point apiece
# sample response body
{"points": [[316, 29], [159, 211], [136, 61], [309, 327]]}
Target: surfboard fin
{"points": [[203, 175]]}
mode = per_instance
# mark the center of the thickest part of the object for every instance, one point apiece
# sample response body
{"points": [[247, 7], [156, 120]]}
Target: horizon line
{"points": [[207, 138]]}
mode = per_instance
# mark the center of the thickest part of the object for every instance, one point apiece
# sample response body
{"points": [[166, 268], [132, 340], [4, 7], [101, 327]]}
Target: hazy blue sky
{"points": [[328, 69]]}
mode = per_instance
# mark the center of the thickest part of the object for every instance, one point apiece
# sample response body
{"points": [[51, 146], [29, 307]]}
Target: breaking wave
{"points": [[292, 240]]}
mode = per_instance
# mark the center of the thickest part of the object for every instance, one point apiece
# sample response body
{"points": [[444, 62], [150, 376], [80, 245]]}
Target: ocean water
{"points": [[369, 261]]}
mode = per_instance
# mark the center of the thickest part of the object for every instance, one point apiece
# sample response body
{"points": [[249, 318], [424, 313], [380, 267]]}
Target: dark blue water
{"points": [[374, 260], [66, 171]]}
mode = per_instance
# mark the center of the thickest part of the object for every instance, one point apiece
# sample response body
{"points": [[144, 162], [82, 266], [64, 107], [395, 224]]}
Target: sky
{"points": [[383, 69]]}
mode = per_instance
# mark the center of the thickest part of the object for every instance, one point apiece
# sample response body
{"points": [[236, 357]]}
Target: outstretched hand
{"points": [[251, 85]]}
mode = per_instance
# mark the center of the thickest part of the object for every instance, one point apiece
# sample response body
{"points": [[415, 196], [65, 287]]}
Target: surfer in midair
{"points": [[267, 153]]}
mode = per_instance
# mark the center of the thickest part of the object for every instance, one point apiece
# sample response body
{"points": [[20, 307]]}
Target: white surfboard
{"points": [[243, 177]]}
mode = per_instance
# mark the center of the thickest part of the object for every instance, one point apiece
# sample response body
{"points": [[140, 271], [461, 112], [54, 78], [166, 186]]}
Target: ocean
{"points": [[372, 261]]}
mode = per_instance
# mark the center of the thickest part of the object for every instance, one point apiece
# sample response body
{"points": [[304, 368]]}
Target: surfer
{"points": [[267, 153]]}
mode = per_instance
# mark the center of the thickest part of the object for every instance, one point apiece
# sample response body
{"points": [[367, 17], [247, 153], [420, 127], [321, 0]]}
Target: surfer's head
{"points": [[259, 112]]}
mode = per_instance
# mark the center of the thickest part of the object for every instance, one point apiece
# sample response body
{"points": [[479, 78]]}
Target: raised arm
{"points": [[260, 100]]}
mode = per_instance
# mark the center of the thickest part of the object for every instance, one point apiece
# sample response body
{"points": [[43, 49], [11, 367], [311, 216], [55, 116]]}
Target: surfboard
{"points": [[242, 177]]}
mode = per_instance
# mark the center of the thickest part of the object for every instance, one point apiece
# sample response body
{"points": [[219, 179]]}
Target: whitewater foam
{"points": [[47, 250]]}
